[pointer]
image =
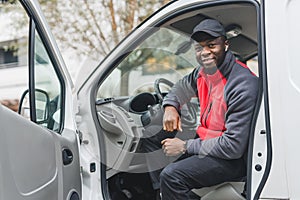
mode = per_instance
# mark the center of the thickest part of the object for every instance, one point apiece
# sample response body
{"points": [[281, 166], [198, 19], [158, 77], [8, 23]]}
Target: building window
{"points": [[8, 57]]}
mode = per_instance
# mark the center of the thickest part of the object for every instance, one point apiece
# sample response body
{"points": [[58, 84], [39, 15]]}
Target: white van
{"points": [[83, 142]]}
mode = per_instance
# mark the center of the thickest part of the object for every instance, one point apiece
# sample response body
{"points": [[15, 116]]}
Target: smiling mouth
{"points": [[208, 60]]}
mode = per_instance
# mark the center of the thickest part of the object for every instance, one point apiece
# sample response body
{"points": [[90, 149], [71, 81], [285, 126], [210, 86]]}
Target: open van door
{"points": [[39, 156]]}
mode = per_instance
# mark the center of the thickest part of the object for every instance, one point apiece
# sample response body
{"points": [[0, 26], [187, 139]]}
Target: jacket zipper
{"points": [[207, 113], [209, 93]]}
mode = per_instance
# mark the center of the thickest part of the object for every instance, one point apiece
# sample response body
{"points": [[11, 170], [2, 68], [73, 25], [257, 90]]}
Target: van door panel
{"points": [[28, 159]]}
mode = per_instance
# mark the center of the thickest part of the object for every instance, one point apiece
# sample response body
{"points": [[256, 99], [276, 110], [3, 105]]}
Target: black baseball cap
{"points": [[209, 26]]}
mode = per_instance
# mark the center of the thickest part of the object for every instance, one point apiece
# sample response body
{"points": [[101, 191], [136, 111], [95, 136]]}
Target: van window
{"points": [[47, 81], [154, 58]]}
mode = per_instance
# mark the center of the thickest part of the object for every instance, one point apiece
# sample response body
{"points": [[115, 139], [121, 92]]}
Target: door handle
{"points": [[67, 156], [109, 123]]}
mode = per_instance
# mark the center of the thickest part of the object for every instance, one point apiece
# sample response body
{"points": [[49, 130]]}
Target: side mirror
{"points": [[41, 106]]}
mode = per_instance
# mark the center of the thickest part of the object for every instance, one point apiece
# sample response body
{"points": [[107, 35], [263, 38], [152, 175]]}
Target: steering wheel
{"points": [[188, 118]]}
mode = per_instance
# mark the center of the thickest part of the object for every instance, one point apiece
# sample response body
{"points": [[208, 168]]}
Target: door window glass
{"points": [[158, 56], [47, 89]]}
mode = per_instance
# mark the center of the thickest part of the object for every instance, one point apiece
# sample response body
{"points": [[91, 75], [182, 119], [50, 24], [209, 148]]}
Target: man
{"points": [[227, 92]]}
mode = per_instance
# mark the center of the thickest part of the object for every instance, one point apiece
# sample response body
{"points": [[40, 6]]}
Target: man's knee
{"points": [[172, 183], [169, 174]]}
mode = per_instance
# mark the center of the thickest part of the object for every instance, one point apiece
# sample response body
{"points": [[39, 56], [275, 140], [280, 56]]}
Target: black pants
{"points": [[176, 176]]}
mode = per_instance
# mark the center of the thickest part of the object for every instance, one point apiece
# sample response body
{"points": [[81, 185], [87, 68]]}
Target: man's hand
{"points": [[173, 146], [171, 120]]}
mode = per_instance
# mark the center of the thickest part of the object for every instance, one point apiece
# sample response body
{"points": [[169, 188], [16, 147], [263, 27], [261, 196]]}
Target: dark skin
{"points": [[210, 53]]}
